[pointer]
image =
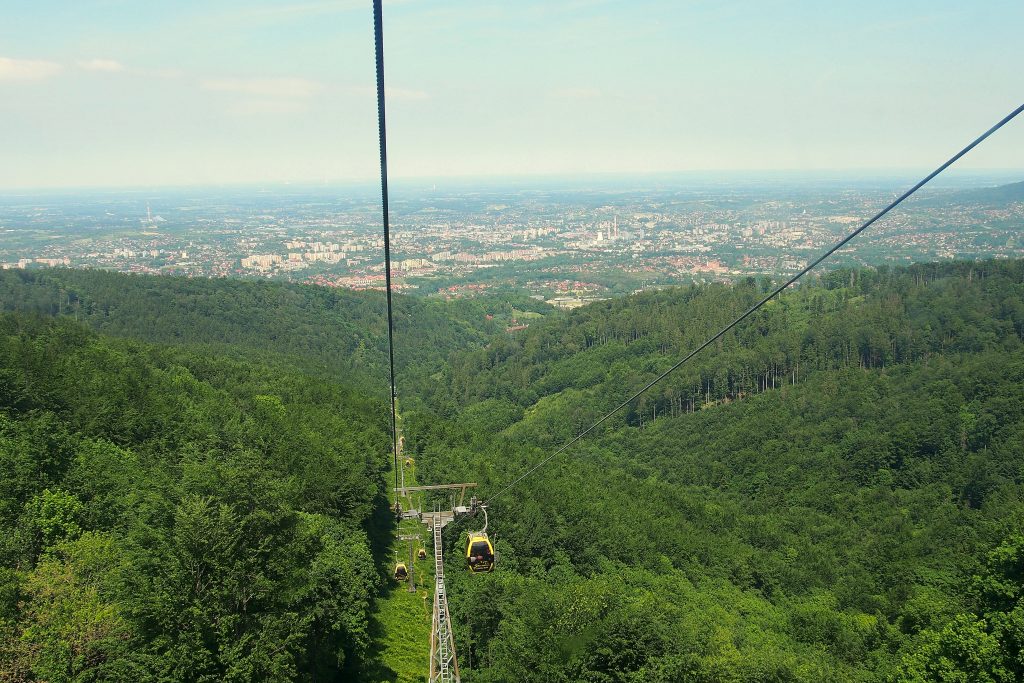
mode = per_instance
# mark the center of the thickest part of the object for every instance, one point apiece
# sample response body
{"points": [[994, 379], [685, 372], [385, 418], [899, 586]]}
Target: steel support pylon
{"points": [[444, 666]]}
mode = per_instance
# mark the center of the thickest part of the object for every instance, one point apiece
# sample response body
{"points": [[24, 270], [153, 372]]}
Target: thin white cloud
{"points": [[404, 94], [392, 94], [27, 69], [271, 107], [580, 93], [104, 65], [304, 9], [164, 73], [264, 87], [293, 10], [913, 22]]}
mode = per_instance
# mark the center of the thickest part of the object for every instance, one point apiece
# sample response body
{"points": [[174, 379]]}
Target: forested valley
{"points": [[193, 479]]}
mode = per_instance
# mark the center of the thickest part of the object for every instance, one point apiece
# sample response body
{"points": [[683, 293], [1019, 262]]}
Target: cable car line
{"points": [[378, 40], [750, 311], [444, 664], [480, 555]]}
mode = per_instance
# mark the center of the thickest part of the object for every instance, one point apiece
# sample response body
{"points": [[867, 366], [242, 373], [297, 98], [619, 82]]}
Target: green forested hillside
{"points": [[327, 331], [832, 494], [866, 319], [166, 515], [999, 195]]}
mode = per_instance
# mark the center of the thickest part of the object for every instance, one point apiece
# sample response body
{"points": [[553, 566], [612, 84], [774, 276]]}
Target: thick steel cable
{"points": [[378, 39], [836, 247]]}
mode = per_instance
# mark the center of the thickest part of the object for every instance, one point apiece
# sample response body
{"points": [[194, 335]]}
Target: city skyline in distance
{"points": [[418, 187], [270, 92]]}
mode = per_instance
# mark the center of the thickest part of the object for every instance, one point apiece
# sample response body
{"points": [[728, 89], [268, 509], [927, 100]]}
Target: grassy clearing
{"points": [[401, 623], [526, 315], [402, 626]]}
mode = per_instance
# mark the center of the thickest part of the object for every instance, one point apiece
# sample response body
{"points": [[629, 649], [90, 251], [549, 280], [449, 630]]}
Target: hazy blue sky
{"points": [[107, 92]]}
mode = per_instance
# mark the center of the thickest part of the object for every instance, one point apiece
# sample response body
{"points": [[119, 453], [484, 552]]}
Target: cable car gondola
{"points": [[479, 551], [422, 554], [401, 572]]}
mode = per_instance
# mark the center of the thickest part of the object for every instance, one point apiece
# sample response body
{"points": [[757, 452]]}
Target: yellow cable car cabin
{"points": [[401, 572], [480, 553], [422, 554]]}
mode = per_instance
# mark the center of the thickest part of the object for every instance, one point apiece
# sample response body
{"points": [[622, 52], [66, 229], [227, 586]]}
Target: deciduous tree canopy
{"points": [[833, 492]]}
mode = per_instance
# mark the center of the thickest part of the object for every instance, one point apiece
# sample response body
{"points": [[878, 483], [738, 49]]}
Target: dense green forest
{"points": [[167, 515], [832, 492], [330, 332]]}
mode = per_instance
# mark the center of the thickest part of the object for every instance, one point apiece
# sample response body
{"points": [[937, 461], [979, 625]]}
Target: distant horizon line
{"points": [[491, 180]]}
